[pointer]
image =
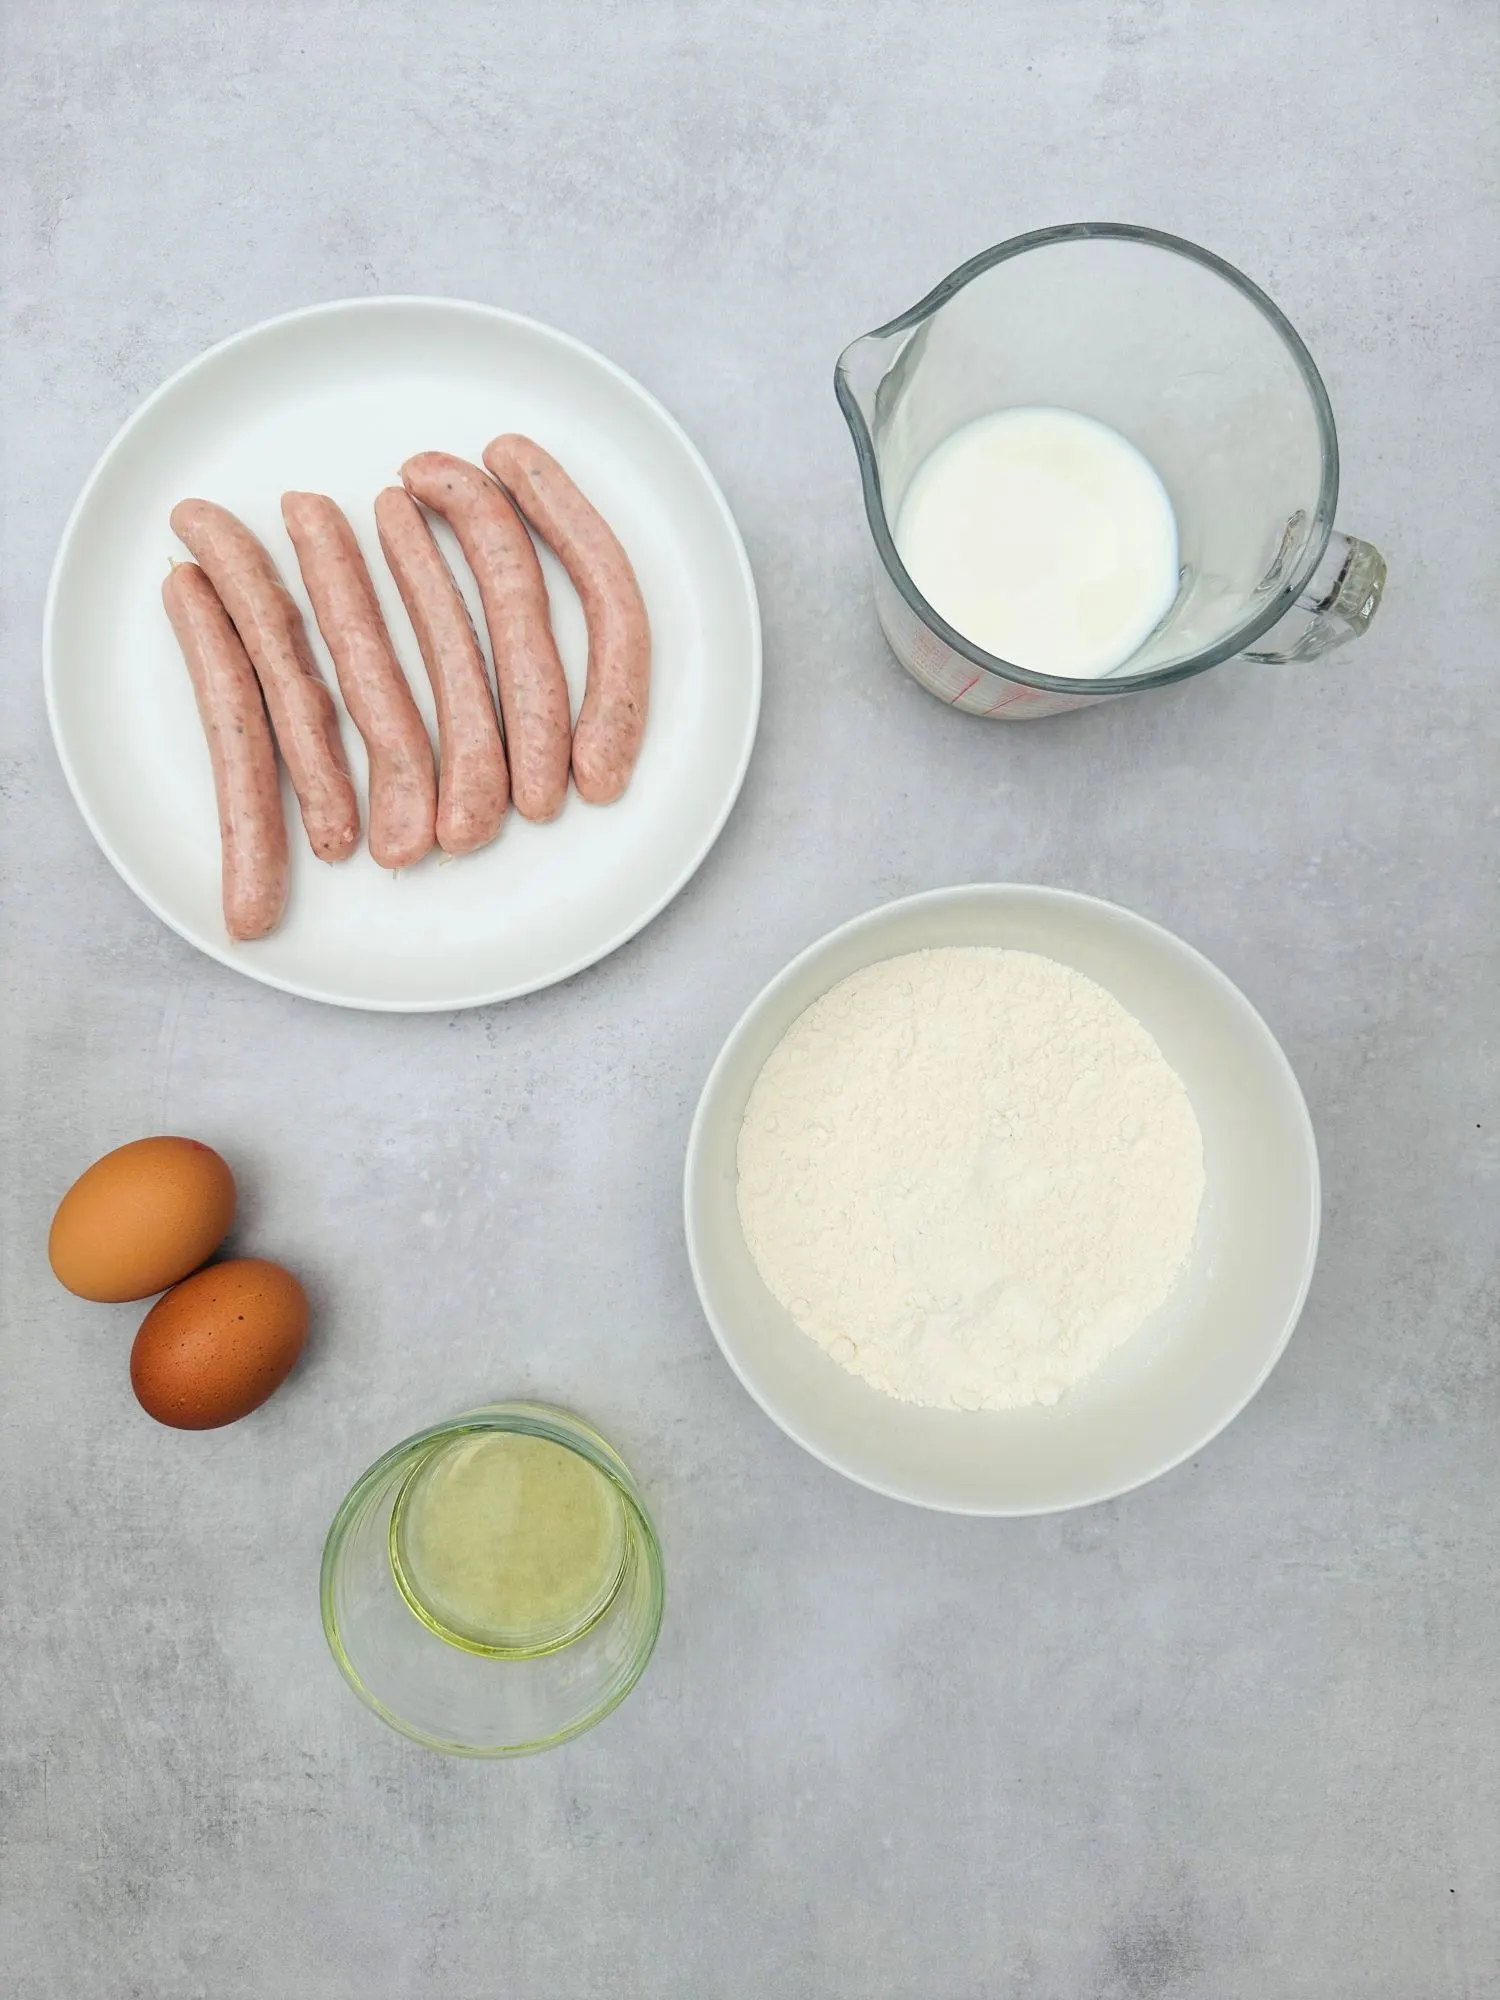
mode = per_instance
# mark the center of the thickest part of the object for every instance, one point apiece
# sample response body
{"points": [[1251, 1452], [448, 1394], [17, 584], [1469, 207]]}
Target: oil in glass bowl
{"points": [[494, 1585], [508, 1544]]}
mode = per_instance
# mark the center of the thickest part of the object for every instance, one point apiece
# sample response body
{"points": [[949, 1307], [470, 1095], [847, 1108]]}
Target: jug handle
{"points": [[1341, 597]]}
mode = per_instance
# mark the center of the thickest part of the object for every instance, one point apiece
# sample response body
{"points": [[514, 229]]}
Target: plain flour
{"points": [[969, 1174]]}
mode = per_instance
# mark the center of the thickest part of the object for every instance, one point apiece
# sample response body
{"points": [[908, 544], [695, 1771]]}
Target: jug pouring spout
{"points": [[861, 369]]}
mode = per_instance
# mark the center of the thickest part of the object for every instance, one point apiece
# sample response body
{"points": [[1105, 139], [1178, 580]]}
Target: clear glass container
{"points": [[494, 1585], [1182, 355]]}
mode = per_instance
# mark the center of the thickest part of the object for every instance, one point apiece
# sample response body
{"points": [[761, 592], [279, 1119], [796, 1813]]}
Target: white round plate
{"points": [[332, 399], [1193, 1366]]}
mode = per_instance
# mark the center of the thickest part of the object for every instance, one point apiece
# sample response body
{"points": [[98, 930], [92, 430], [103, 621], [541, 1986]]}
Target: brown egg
{"points": [[141, 1218], [218, 1344]]}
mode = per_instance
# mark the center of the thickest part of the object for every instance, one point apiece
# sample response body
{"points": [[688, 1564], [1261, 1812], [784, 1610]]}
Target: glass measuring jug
{"points": [[1183, 356]]}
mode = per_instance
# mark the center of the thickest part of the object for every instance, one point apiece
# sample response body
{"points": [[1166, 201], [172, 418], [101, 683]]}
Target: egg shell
{"points": [[217, 1345], [141, 1218]]}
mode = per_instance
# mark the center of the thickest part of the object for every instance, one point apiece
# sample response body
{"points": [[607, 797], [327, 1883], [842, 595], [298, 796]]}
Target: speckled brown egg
{"points": [[218, 1344], [141, 1218]]}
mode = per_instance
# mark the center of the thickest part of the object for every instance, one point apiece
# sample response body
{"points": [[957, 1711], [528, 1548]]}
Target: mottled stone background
{"points": [[1233, 1738]]}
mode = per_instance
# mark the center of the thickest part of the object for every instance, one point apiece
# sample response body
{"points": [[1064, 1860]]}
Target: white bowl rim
{"points": [[1029, 892]]}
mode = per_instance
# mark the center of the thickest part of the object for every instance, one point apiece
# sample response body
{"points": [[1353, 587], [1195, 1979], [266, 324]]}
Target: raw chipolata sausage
{"points": [[528, 673], [270, 627], [473, 783], [247, 783], [612, 719], [403, 783]]}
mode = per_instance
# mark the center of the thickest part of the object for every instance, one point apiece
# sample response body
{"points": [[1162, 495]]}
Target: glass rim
{"points": [[1245, 634], [560, 1427]]}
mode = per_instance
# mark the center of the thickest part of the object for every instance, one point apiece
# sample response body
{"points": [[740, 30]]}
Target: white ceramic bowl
{"points": [[1196, 1363]]}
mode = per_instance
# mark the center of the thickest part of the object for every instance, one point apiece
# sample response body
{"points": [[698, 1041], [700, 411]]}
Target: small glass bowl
{"points": [[456, 1696]]}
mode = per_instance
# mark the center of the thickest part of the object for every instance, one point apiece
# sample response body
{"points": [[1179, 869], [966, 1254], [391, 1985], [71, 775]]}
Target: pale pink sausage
{"points": [[529, 675], [612, 719], [271, 629], [403, 783], [473, 784], [247, 784]]}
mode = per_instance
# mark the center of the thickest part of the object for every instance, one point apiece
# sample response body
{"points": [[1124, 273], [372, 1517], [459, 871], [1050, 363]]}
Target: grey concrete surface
{"points": [[1235, 1736]]}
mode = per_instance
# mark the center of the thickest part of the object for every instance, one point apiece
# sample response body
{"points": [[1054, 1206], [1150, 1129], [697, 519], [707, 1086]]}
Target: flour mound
{"points": [[969, 1175]]}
